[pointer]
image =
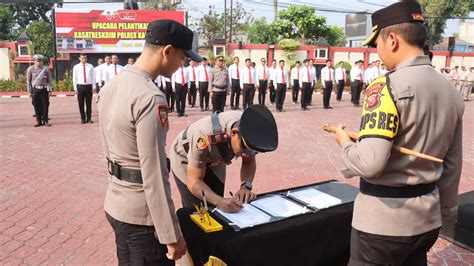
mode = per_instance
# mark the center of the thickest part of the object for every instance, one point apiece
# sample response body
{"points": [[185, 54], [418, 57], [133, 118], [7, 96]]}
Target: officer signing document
{"points": [[402, 199], [134, 122]]}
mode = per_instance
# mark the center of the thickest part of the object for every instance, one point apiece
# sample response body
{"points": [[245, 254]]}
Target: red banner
{"points": [[100, 31]]}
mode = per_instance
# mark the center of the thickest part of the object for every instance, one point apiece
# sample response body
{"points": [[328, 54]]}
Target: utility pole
{"points": [[231, 20], [225, 20], [55, 45], [275, 9]]}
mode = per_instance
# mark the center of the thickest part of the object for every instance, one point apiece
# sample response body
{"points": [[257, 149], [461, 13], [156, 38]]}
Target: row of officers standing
{"points": [[218, 82]]}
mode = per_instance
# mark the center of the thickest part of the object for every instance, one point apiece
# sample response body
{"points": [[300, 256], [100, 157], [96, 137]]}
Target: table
{"points": [[320, 238]]}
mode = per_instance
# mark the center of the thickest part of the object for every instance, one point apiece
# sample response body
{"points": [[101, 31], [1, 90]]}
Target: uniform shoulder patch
{"points": [[202, 143], [163, 114], [380, 116]]}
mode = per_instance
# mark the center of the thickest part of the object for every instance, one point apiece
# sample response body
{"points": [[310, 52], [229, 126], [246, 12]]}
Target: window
{"points": [[321, 53], [23, 50], [79, 45], [218, 50]]}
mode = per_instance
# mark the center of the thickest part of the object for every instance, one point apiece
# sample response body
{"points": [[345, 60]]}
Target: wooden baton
{"points": [[354, 136]]}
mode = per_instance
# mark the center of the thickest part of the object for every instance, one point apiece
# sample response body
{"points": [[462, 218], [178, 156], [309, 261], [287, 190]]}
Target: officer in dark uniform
{"points": [[38, 79], [402, 199], [199, 155]]}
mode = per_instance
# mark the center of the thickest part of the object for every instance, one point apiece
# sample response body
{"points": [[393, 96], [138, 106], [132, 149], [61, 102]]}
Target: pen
{"points": [[204, 199]]}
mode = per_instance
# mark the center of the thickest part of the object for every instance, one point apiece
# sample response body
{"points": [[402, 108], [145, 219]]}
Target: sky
{"points": [[264, 8]]}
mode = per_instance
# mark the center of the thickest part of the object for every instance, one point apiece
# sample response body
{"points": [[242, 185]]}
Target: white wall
{"points": [[256, 55], [439, 61], [373, 57], [4, 64]]}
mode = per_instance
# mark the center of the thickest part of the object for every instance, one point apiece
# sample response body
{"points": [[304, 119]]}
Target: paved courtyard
{"points": [[53, 179]]}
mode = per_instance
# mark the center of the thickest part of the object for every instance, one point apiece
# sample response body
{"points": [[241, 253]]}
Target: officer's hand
{"points": [[341, 134], [229, 205], [244, 195], [176, 250]]}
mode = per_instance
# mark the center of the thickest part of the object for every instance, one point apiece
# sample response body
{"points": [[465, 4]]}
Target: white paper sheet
{"points": [[315, 198], [248, 216], [278, 206]]}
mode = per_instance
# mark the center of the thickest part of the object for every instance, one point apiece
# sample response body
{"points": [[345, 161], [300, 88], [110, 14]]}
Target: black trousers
{"points": [[137, 244], [306, 91], [247, 92], [218, 101], [84, 94], [204, 95], [181, 91], [170, 95], [370, 249], [327, 93], [271, 86], [262, 91], [340, 89], [235, 94], [210, 178], [356, 88], [40, 100], [280, 96], [310, 95], [192, 93], [296, 90]]}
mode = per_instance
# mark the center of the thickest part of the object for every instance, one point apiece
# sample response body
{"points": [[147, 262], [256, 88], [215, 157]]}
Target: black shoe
{"points": [[34, 115], [185, 115], [47, 124], [90, 121], [180, 115], [38, 124], [83, 121]]}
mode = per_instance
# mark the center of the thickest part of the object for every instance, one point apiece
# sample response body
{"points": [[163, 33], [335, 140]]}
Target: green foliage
{"points": [[7, 21], [41, 36], [261, 32], [211, 25], [289, 47], [300, 22], [335, 36], [158, 5], [436, 13], [26, 14]]}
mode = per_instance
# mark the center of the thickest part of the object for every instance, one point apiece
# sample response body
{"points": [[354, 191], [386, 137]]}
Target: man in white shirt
{"points": [[192, 74], [248, 81], [295, 76], [312, 69], [105, 69], [235, 75], [159, 83], [327, 79], [282, 80], [180, 80], [271, 82], [170, 93], [368, 73], [98, 77], [357, 82], [262, 74], [83, 79], [203, 71], [463, 84], [341, 80], [470, 83], [130, 62], [454, 76], [306, 84], [114, 69]]}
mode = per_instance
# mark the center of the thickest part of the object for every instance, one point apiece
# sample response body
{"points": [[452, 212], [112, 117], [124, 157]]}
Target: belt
{"points": [[381, 191], [40, 87], [219, 87], [125, 174]]}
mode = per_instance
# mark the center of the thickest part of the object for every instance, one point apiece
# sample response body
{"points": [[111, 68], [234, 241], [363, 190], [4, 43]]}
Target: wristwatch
{"points": [[247, 184]]}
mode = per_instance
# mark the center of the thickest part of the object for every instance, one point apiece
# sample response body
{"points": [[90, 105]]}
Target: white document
{"points": [[248, 216], [315, 198], [278, 206]]}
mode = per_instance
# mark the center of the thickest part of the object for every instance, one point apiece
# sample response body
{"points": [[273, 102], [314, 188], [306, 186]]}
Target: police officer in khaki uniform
{"points": [[38, 80], [133, 116], [200, 153], [219, 85], [402, 199]]}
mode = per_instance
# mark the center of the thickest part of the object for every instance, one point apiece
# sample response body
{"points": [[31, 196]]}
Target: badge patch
{"points": [[163, 114], [202, 143], [373, 94]]}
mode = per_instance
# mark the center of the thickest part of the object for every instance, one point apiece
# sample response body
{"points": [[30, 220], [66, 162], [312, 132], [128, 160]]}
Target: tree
{"points": [[158, 5], [25, 14], [300, 22], [42, 38], [7, 21], [211, 25], [335, 36], [436, 13], [261, 32]]}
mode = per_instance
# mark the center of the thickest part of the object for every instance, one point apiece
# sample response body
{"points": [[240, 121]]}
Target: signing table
{"points": [[320, 236]]}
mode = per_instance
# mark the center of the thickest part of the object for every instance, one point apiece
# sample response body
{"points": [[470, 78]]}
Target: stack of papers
{"points": [[314, 198], [278, 206], [248, 216]]}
